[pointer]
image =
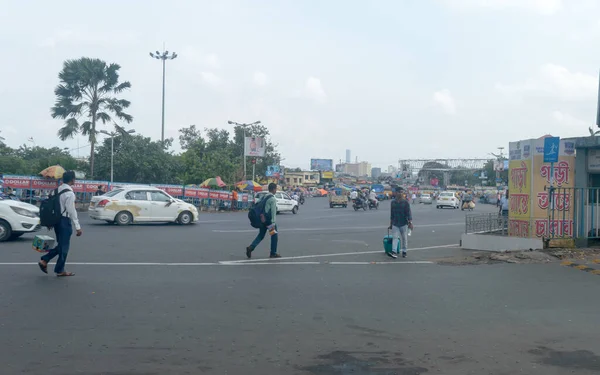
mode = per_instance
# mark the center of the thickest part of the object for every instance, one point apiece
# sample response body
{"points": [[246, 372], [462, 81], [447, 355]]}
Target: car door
{"points": [[289, 202], [281, 207], [163, 207], [138, 204]]}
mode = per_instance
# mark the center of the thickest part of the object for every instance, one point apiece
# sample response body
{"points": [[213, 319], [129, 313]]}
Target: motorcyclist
{"points": [[373, 197], [354, 195]]}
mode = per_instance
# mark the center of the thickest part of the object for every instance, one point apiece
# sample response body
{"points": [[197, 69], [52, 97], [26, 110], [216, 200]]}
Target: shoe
{"points": [[404, 254], [275, 256], [249, 252], [391, 255]]}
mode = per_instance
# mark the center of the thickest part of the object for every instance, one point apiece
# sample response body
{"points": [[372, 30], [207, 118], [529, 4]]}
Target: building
{"points": [[375, 172], [392, 170], [362, 169], [348, 157], [303, 178]]}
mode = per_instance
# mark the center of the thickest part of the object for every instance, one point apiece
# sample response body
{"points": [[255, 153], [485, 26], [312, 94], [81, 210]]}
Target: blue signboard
{"points": [[551, 148]]}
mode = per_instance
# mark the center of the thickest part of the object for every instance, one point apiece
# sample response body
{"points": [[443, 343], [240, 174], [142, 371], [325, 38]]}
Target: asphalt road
{"points": [[165, 299]]}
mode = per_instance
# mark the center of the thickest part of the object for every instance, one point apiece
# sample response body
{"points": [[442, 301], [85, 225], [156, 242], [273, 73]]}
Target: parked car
{"points": [[426, 199], [284, 202], [136, 204], [17, 218], [447, 199]]}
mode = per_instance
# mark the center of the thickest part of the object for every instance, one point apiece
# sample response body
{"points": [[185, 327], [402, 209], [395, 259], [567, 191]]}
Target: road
{"points": [[165, 299]]}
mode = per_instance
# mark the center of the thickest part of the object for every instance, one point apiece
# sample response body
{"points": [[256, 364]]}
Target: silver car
{"points": [[426, 199]]}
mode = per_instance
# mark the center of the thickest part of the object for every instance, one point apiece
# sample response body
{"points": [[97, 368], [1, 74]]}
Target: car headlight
{"points": [[24, 212]]}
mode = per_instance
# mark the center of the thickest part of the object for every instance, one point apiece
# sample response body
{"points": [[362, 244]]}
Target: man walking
{"points": [[400, 221], [270, 212], [64, 228]]}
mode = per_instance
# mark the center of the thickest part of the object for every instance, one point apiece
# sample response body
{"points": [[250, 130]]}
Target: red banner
{"points": [[224, 196], [244, 197], [202, 193], [17, 182], [213, 194], [191, 193], [44, 184]]}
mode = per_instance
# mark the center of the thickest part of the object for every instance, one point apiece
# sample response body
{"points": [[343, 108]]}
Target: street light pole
{"points": [[112, 136], [244, 151], [164, 56]]}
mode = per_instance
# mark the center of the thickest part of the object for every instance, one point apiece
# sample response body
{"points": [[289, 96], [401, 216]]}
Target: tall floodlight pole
{"points": [[112, 136], [244, 126], [164, 56]]}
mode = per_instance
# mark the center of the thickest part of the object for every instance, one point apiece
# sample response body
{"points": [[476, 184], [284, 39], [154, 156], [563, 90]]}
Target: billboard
{"points": [[273, 171], [327, 175], [325, 165], [255, 146]]}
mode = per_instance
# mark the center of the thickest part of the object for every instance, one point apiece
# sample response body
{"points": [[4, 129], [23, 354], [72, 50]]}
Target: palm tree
{"points": [[87, 90]]}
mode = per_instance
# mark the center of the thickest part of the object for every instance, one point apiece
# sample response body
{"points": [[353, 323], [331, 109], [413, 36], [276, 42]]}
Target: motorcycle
{"points": [[301, 201], [358, 204], [373, 204]]}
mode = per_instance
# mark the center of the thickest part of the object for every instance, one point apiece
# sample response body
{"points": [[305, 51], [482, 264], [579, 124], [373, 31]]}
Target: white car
{"points": [[447, 199], [425, 199], [141, 204], [284, 202], [17, 218]]}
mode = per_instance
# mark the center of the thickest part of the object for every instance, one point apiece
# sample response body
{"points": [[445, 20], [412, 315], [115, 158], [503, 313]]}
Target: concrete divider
{"points": [[490, 242]]}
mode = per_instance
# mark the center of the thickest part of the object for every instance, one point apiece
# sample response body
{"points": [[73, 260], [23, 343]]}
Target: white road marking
{"points": [[338, 254], [262, 262], [257, 262], [390, 262], [332, 229]]}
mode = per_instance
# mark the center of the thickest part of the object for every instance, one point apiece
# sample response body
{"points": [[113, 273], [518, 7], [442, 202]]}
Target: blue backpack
{"points": [[257, 214]]}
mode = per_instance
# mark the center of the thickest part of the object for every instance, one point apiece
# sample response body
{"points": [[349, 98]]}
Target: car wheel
{"points": [[5, 231], [185, 218], [295, 210], [124, 218]]}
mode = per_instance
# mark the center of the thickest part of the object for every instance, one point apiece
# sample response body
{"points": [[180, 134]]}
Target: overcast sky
{"points": [[386, 79]]}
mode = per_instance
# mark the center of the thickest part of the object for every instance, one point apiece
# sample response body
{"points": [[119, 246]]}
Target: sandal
{"points": [[43, 268], [64, 274]]}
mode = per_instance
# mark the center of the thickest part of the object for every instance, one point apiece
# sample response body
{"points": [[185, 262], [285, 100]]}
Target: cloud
{"points": [[546, 7], [195, 56], [212, 60], [210, 78], [445, 101], [557, 81], [260, 78], [71, 37], [314, 90], [569, 120]]}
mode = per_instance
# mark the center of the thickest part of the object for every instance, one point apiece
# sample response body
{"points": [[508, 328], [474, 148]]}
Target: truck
{"points": [[337, 198]]}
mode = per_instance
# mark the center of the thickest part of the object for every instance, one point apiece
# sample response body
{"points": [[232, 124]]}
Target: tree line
{"points": [[88, 100]]}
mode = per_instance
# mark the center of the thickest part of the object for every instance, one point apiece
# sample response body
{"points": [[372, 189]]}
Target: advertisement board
{"points": [[255, 146], [327, 175], [323, 165], [273, 171]]}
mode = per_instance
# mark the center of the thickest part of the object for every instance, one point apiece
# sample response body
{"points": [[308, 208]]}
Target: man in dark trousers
{"points": [[64, 228], [400, 221], [269, 225]]}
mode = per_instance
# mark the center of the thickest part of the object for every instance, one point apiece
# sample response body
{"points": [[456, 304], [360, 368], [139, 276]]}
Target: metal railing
{"points": [[490, 223]]}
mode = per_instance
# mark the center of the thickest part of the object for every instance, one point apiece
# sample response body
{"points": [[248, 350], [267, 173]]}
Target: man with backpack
{"points": [[58, 212], [262, 216]]}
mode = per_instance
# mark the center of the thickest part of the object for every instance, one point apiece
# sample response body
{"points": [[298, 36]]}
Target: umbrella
{"points": [[213, 182], [249, 185], [55, 171]]}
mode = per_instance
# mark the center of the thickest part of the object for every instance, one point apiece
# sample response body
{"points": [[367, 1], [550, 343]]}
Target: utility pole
{"points": [[112, 136], [164, 56], [244, 126]]}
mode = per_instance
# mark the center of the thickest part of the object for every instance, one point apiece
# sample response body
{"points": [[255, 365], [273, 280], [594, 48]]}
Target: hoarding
{"points": [[324, 165], [255, 146], [273, 171], [327, 175]]}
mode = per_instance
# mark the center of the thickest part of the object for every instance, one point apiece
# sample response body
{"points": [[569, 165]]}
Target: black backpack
{"points": [[50, 211], [257, 215]]}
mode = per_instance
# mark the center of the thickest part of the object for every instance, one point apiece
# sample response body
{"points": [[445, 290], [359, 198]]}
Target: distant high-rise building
{"points": [[348, 156], [375, 172]]}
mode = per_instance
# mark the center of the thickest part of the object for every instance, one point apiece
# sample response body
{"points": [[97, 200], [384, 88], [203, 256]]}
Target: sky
{"points": [[389, 80]]}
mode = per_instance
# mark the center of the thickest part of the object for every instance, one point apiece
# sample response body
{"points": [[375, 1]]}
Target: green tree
{"points": [[31, 160], [88, 89], [138, 159]]}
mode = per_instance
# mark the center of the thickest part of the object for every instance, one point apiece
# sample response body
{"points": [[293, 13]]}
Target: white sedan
{"points": [[139, 204], [284, 202], [17, 218], [447, 199]]}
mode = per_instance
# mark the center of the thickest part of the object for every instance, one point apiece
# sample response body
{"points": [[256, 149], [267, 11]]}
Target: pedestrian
{"points": [[414, 198], [270, 213], [400, 221], [100, 191], [504, 205], [64, 228]]}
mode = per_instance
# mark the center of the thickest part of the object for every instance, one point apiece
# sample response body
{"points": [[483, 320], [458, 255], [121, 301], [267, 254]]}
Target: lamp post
{"points": [[244, 151], [112, 136], [164, 56]]}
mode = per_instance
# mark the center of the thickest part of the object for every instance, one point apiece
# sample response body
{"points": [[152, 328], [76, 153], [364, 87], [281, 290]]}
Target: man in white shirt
{"points": [[353, 195], [64, 228], [373, 195]]}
